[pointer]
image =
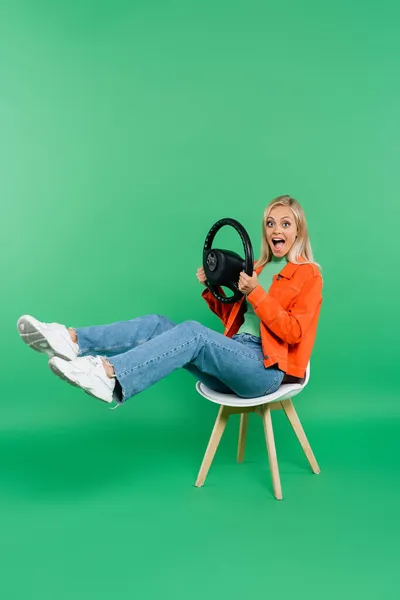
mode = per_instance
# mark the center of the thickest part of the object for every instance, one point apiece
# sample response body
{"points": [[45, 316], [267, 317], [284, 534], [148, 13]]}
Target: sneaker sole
{"points": [[62, 376], [32, 336]]}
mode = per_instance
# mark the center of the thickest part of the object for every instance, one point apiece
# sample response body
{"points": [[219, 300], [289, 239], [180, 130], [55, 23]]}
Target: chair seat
{"points": [[284, 392]]}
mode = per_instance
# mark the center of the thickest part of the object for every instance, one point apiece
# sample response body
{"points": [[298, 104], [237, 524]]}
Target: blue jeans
{"points": [[146, 349]]}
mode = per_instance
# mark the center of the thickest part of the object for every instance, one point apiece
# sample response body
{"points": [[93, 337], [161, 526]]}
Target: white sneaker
{"points": [[51, 338], [86, 372]]}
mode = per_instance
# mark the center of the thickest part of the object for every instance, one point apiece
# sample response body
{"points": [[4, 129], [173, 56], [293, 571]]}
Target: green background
{"points": [[126, 130]]}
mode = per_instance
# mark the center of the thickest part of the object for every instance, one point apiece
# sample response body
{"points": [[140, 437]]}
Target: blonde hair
{"points": [[301, 247]]}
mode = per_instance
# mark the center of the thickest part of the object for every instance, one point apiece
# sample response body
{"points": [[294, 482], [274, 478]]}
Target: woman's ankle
{"points": [[73, 335], [109, 369]]}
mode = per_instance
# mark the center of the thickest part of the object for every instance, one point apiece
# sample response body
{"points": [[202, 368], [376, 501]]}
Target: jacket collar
{"points": [[288, 270]]}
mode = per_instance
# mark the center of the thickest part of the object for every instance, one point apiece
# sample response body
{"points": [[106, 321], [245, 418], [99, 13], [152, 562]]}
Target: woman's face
{"points": [[281, 225]]}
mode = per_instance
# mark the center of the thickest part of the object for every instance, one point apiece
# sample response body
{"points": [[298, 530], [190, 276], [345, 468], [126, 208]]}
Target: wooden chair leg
{"points": [[244, 419], [215, 438], [294, 420], [273, 462]]}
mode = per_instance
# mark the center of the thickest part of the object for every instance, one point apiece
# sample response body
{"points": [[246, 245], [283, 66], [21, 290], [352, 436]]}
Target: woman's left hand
{"points": [[246, 283]]}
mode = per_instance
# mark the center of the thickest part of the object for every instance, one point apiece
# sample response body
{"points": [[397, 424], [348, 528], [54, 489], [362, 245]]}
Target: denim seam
{"points": [[272, 385], [123, 373], [107, 348]]}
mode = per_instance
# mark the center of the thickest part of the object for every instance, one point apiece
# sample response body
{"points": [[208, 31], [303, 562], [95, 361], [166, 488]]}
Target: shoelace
{"points": [[95, 360]]}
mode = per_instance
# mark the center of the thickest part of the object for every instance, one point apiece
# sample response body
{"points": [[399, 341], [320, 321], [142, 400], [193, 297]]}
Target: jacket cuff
{"points": [[256, 296]]}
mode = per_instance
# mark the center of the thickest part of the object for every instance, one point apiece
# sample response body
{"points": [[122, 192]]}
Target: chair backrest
{"points": [[306, 378], [295, 389]]}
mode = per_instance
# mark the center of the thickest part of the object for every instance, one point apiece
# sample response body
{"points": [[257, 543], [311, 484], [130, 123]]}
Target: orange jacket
{"points": [[288, 314]]}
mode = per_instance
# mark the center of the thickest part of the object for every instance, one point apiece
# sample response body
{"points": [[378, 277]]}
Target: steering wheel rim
{"points": [[230, 257]]}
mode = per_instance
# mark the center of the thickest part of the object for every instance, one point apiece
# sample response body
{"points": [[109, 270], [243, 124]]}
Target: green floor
{"points": [[99, 504], [126, 130]]}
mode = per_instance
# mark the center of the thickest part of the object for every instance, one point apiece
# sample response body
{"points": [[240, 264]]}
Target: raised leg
{"points": [[294, 420], [244, 419], [215, 438], [121, 336], [273, 462]]}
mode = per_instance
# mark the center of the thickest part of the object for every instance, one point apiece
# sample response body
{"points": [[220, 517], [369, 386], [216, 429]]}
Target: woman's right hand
{"points": [[201, 276]]}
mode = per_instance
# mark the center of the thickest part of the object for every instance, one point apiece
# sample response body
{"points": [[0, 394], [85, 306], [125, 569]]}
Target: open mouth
{"points": [[278, 243]]}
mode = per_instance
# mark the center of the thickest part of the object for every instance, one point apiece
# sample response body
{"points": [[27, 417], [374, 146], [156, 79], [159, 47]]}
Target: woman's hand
{"points": [[201, 276], [246, 283]]}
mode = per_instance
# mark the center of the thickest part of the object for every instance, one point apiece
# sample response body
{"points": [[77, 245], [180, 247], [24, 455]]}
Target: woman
{"points": [[268, 338]]}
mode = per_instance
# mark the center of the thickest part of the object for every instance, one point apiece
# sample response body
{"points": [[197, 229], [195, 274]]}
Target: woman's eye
{"points": [[270, 223]]}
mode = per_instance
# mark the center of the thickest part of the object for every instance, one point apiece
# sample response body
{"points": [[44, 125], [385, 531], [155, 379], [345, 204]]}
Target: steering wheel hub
{"points": [[223, 267]]}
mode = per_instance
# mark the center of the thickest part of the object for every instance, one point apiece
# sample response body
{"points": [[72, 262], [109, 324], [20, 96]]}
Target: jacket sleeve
{"points": [[290, 326], [219, 308]]}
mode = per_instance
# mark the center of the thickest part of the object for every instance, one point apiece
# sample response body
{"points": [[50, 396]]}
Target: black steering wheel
{"points": [[223, 267]]}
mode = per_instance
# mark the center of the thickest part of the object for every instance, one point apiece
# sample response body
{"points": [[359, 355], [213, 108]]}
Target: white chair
{"points": [[263, 405]]}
